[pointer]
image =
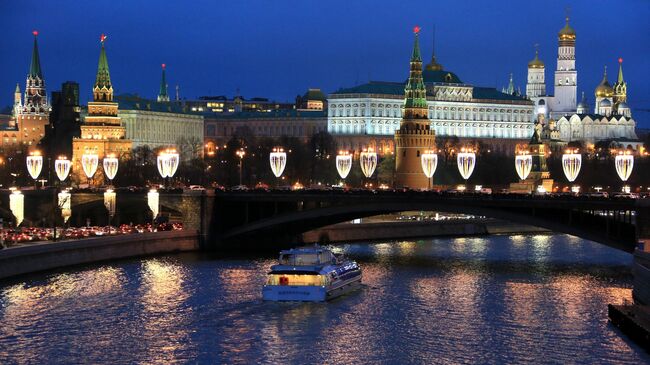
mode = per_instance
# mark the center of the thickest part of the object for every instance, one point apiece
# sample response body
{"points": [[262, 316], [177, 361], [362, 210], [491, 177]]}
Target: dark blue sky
{"points": [[278, 49]]}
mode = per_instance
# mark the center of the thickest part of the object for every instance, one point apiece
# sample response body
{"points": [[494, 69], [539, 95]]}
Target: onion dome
{"points": [[623, 105], [536, 62], [567, 33], [605, 103], [604, 89], [582, 106]]}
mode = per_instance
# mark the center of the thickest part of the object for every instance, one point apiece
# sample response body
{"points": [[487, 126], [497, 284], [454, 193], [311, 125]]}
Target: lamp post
{"points": [[167, 163], [89, 163], [523, 164], [466, 160], [343, 164], [62, 168], [110, 163], [34, 165], [624, 163], [429, 162], [240, 153], [571, 162], [153, 201]]}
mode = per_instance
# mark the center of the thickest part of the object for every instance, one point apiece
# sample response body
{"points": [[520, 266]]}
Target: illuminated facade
{"points": [[414, 135], [102, 132]]}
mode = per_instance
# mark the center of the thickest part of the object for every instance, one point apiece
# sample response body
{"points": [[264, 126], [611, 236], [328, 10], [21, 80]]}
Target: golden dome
{"points": [[536, 62], [567, 33], [604, 89]]}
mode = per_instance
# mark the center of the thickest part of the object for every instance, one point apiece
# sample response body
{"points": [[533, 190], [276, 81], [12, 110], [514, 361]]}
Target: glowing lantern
{"points": [[110, 163], [64, 204], [153, 200], [62, 168], [429, 161], [343, 163], [278, 161], [110, 199], [17, 206], [523, 165], [34, 164], [624, 164], [167, 162], [368, 161], [89, 163], [466, 161], [571, 162]]}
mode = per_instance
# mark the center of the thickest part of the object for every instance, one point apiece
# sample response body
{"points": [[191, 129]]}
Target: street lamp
{"points": [[167, 162], [466, 160], [523, 164], [429, 162], [89, 163], [624, 163], [34, 164], [368, 161], [110, 199], [240, 153], [343, 163], [153, 201], [17, 205], [571, 162], [110, 163], [65, 205], [278, 161]]}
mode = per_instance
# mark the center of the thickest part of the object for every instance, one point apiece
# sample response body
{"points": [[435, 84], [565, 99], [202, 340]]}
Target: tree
{"points": [[323, 150]]}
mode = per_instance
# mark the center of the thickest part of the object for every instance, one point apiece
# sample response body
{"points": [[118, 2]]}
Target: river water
{"points": [[488, 300]]}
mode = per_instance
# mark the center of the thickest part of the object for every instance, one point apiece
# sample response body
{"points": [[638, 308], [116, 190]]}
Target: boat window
{"points": [[300, 259], [297, 280]]}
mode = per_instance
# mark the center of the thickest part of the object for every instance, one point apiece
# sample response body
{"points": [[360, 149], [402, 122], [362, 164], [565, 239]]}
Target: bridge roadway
{"points": [[267, 216]]}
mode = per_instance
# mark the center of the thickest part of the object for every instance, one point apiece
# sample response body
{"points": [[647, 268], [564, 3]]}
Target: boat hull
{"points": [[304, 293]]}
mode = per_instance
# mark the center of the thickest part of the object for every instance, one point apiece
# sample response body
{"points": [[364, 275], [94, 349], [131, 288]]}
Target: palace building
{"points": [[31, 112], [102, 132], [367, 115]]}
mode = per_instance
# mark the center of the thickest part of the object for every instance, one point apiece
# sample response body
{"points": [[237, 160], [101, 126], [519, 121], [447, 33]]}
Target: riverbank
{"points": [[45, 256], [413, 229]]}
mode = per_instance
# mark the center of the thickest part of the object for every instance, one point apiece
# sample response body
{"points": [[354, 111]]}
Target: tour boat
{"points": [[311, 274]]}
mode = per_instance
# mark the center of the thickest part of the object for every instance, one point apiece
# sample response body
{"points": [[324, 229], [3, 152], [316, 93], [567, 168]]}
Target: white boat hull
{"points": [[304, 293]]}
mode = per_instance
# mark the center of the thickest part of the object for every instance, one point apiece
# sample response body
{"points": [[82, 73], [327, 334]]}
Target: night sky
{"points": [[278, 49]]}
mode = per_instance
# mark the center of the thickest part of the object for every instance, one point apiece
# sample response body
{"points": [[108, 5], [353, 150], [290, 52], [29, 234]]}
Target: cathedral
{"points": [[101, 131], [611, 118]]}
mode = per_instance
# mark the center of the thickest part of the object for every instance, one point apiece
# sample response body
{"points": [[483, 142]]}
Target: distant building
{"points": [[101, 131], [222, 104], [313, 99], [293, 123], [65, 120], [160, 124]]}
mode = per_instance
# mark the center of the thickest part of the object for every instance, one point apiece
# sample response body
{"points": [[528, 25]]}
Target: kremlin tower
{"points": [[101, 131], [162, 94], [32, 112], [414, 136]]}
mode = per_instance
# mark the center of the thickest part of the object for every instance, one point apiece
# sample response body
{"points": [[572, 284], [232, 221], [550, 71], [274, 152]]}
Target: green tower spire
{"points": [[103, 79], [620, 72], [35, 67], [162, 94], [415, 91]]}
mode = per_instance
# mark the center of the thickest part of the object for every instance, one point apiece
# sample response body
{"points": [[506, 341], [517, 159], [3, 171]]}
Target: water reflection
{"points": [[515, 300]]}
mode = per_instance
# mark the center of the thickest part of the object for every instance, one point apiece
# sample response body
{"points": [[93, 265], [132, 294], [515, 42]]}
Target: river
{"points": [[488, 300]]}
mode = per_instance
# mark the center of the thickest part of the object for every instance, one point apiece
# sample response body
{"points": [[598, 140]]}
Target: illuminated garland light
{"points": [[571, 162], [17, 206], [110, 163], [167, 162], [429, 161], [278, 161], [368, 161], [466, 162], [343, 164], [89, 163], [153, 201], [110, 199], [523, 165], [34, 164], [624, 165], [62, 167], [65, 205]]}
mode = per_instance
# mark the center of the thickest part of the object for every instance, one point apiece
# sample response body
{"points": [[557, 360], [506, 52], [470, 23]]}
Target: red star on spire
{"points": [[35, 32], [416, 29], [102, 37], [620, 60], [163, 66]]}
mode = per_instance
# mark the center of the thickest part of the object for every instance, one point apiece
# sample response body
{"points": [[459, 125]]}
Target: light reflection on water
{"points": [[520, 299]]}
